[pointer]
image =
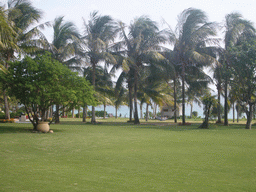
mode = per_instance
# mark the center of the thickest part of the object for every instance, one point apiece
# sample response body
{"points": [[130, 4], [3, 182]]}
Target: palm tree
{"points": [[65, 46], [193, 33], [218, 76], [141, 44], [17, 19], [236, 29], [100, 31]]}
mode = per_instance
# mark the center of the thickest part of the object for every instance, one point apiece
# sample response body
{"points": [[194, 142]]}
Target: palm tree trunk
{"points": [[73, 113], [6, 103], [136, 118], [93, 120], [226, 98], [226, 103], [84, 112], [57, 116], [6, 106], [175, 100], [237, 114], [147, 112], [191, 109], [234, 112], [130, 100], [141, 115], [249, 114], [183, 94], [78, 111], [154, 110], [116, 111], [218, 107], [104, 115]]}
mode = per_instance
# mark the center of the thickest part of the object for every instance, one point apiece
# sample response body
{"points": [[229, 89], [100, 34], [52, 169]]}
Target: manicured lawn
{"points": [[124, 157]]}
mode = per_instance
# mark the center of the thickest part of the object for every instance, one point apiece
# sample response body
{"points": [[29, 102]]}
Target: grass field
{"points": [[113, 156]]}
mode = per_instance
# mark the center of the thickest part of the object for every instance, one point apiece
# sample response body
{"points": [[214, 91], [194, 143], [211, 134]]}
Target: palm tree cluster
{"points": [[151, 73]]}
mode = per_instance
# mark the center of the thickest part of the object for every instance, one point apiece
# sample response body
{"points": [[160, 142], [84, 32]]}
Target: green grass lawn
{"points": [[124, 157]]}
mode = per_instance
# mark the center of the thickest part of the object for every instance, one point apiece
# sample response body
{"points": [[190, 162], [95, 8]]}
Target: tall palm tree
{"points": [[193, 33], [100, 31], [20, 16], [65, 46], [142, 43], [236, 28], [218, 76]]}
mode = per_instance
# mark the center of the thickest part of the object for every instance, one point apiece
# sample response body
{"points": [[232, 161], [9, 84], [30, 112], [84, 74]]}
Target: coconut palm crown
{"points": [[191, 38]]}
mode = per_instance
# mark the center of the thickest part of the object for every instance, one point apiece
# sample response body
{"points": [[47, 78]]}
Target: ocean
{"points": [[124, 110]]}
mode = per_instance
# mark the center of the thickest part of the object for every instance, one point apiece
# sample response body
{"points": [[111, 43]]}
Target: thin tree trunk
{"points": [[73, 113], [136, 118], [104, 115], [50, 111], [130, 100], [249, 114], [154, 110], [237, 114], [43, 117], [93, 120], [116, 111], [191, 109], [141, 115], [218, 107], [47, 113], [234, 112], [175, 100], [6, 103], [78, 111], [57, 116], [147, 112], [226, 100], [183, 94], [84, 112], [6, 106]]}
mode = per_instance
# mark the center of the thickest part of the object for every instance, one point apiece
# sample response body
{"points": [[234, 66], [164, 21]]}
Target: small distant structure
{"points": [[168, 111], [110, 115]]}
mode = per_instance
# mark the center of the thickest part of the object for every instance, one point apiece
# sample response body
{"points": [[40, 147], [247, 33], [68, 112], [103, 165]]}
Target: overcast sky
{"points": [[127, 10]]}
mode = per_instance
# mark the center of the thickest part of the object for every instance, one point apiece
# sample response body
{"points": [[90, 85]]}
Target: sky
{"points": [[127, 10]]}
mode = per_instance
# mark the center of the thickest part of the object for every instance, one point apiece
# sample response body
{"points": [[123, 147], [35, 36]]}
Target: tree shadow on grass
{"points": [[19, 128], [14, 129]]}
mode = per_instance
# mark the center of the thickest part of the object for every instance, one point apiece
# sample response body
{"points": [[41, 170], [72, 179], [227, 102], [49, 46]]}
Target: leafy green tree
{"points": [[42, 82], [17, 24], [190, 53], [194, 113], [65, 46], [153, 85], [243, 82], [236, 29], [208, 101]]}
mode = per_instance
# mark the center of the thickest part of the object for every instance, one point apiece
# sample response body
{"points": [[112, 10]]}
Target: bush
{"points": [[195, 113], [100, 113], [81, 115], [2, 115]]}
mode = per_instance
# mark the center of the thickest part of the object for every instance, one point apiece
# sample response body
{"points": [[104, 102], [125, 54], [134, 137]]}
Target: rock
{"points": [[51, 131]]}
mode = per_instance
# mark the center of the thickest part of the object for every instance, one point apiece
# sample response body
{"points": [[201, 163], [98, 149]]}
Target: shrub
{"points": [[2, 115]]}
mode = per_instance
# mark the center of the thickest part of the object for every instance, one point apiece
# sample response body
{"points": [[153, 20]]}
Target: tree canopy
{"points": [[42, 81]]}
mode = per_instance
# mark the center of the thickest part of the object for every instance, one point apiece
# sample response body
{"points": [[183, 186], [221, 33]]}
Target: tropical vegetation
{"points": [[150, 72]]}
